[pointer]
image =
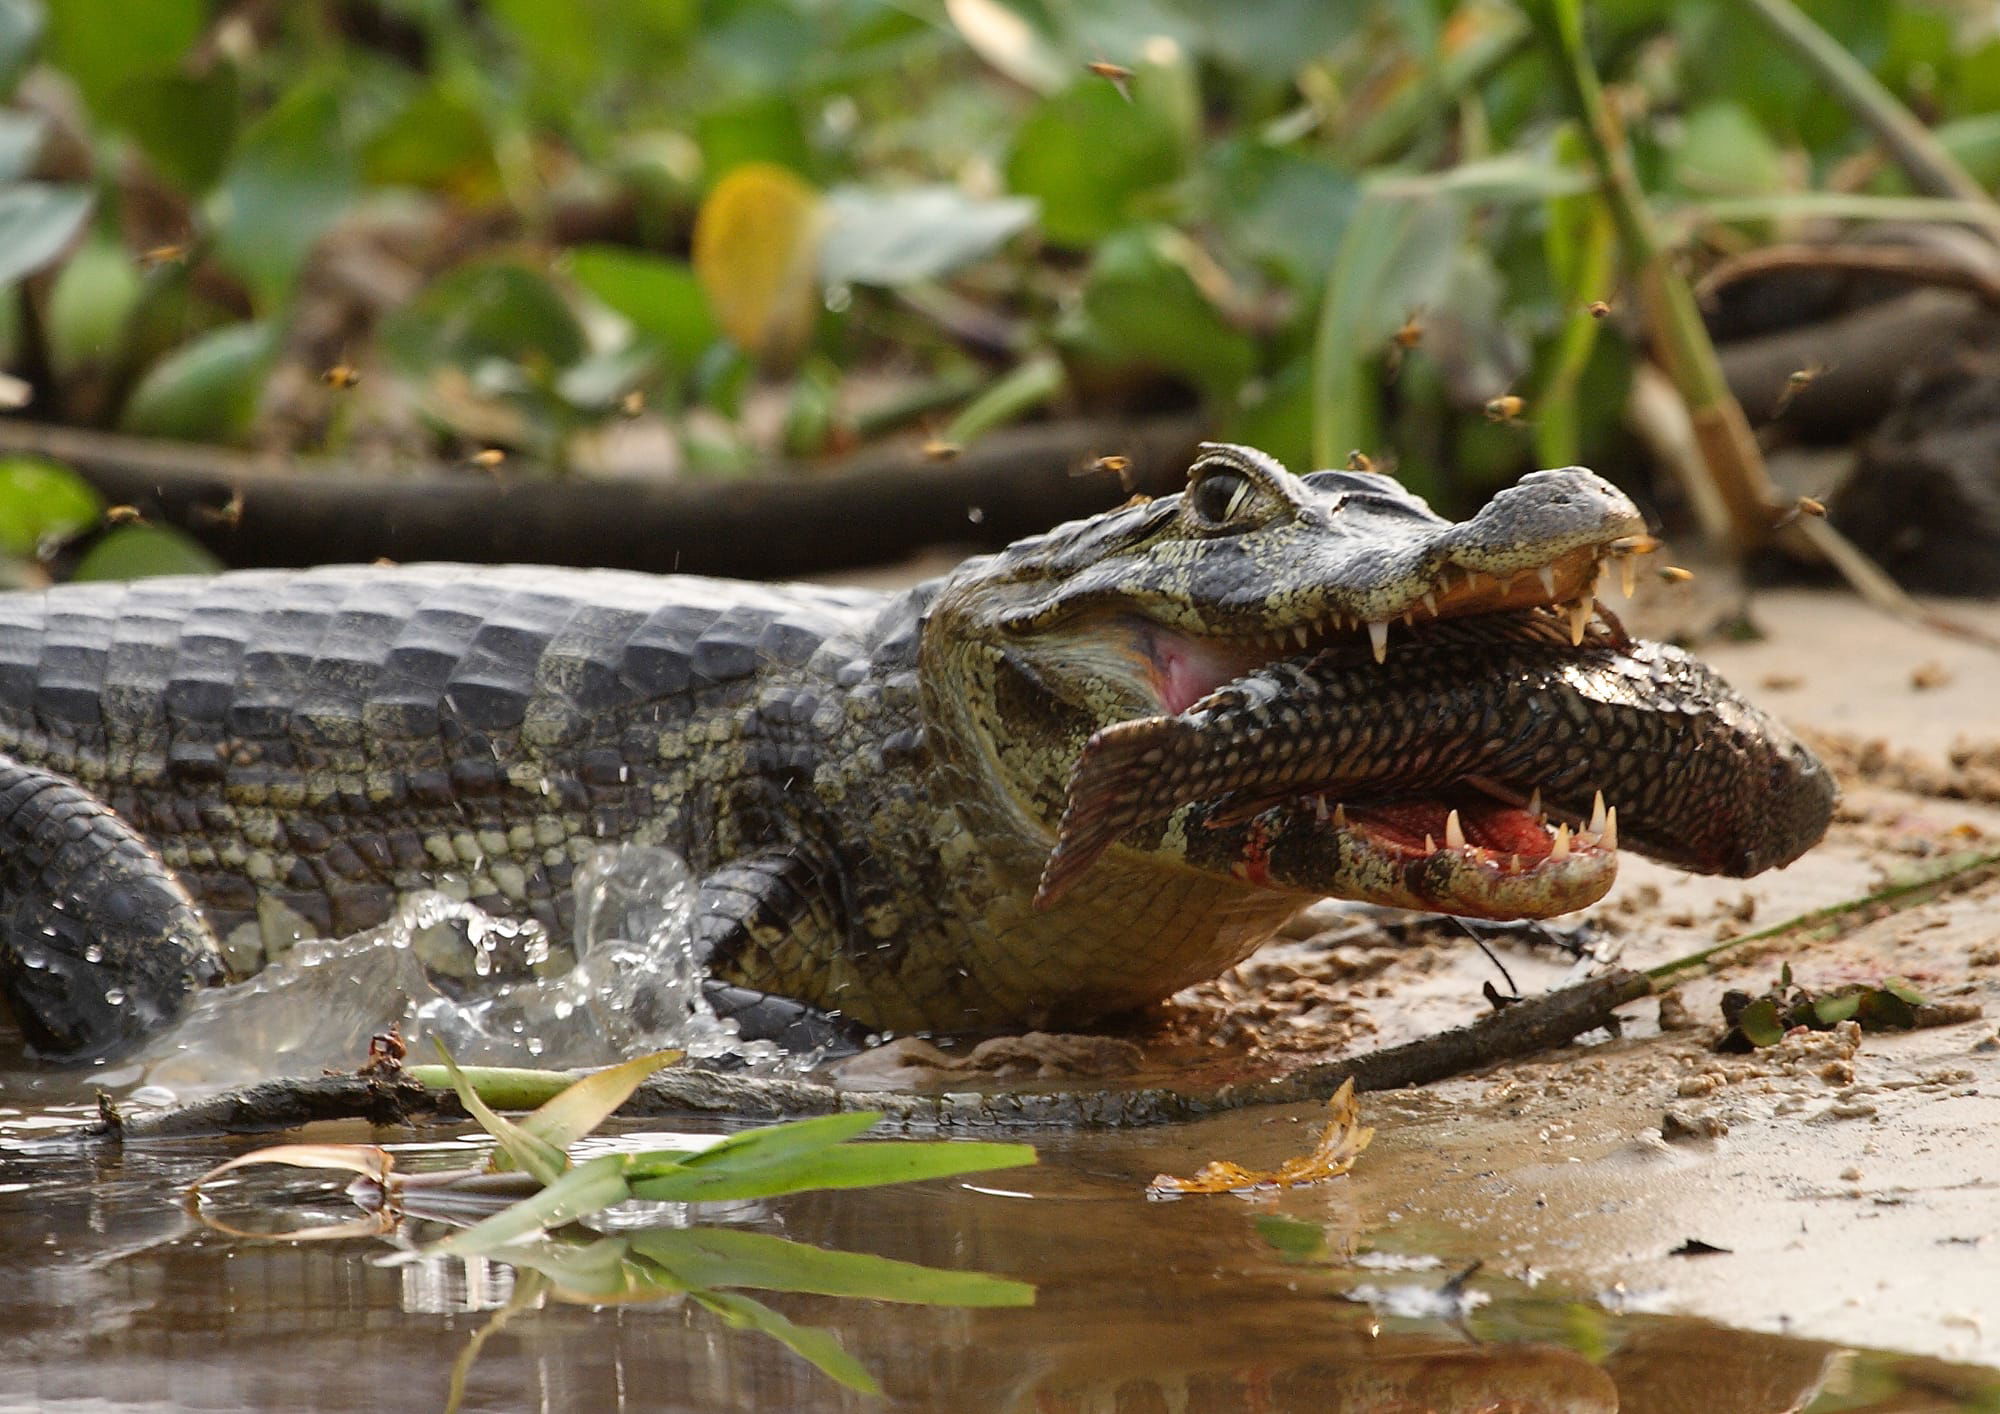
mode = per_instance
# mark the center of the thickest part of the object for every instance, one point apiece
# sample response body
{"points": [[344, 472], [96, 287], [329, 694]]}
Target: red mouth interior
{"points": [[1487, 823]]}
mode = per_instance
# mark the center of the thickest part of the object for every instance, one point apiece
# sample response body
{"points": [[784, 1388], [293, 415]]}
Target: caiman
{"points": [[197, 772]]}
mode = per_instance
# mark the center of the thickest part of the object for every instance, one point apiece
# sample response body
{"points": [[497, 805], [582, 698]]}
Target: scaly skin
{"points": [[196, 773]]}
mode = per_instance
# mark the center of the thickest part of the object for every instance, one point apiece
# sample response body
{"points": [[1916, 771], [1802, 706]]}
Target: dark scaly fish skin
{"points": [[1699, 777]]}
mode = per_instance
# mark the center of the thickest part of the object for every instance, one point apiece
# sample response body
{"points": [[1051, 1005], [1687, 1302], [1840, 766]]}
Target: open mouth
{"points": [[1394, 768]]}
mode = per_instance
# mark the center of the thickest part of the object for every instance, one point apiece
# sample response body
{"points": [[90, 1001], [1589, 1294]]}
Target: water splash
{"points": [[636, 986]]}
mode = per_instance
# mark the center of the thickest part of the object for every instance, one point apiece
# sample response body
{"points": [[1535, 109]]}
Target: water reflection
{"points": [[114, 1301]]}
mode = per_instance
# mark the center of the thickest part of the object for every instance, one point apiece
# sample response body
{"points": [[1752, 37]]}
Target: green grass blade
{"points": [[587, 1188], [710, 1257], [1915, 149], [849, 1166], [1395, 256], [749, 1147], [583, 1106], [819, 1346], [518, 1149]]}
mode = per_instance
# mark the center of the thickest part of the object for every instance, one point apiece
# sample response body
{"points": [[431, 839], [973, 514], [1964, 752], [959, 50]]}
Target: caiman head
{"points": [[1031, 655]]}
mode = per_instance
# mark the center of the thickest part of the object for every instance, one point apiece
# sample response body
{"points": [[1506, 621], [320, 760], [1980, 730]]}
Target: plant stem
{"points": [[1963, 870], [1019, 391], [1735, 465], [1917, 151]]}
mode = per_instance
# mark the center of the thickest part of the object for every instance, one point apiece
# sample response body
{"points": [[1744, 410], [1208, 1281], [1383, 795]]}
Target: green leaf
{"points": [[589, 1187], [1833, 1010], [42, 501], [756, 1175], [766, 129], [37, 221], [590, 1101], [1090, 157], [1579, 241], [703, 1257], [143, 551], [186, 125], [899, 237], [1281, 207], [292, 174], [440, 141], [484, 311], [104, 43], [1884, 1010], [21, 135], [1724, 151], [815, 1344], [1899, 988], [204, 391], [1008, 398], [773, 1143], [1296, 1240], [93, 297], [1143, 306], [1396, 255], [21, 26], [533, 1153], [661, 297], [598, 1270], [1759, 1023]]}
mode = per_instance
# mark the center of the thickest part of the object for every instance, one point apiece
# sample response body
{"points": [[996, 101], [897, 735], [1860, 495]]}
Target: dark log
{"points": [[1524, 1028], [878, 506]]}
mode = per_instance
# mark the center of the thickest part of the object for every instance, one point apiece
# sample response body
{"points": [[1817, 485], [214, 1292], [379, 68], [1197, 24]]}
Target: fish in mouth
{"points": [[1491, 766]]}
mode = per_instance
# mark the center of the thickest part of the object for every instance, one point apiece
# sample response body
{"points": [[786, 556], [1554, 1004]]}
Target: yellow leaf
{"points": [[1339, 1146], [756, 253]]}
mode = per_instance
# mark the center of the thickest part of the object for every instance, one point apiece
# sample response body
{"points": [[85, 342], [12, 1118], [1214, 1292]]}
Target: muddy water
{"points": [[116, 1299]]}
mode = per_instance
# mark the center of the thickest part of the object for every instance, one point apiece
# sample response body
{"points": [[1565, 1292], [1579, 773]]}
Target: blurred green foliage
{"points": [[418, 228]]}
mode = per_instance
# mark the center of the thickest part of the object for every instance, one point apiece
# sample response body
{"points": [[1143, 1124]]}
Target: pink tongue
{"points": [[1180, 679]]}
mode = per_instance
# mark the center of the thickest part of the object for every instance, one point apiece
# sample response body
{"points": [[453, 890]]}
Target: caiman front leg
{"points": [[771, 916], [99, 942]]}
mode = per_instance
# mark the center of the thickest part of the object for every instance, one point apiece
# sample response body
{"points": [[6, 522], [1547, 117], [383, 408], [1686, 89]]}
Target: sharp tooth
{"points": [[1628, 575], [1514, 863], [1579, 619], [1454, 833], [1378, 639], [1319, 808], [1339, 817], [1559, 849], [1535, 803], [1547, 574], [1430, 845], [1299, 633], [1610, 838], [1431, 603], [1409, 618], [1597, 813]]}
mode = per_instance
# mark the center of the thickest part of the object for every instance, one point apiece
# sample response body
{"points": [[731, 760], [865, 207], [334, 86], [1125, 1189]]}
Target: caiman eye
{"points": [[1220, 495]]}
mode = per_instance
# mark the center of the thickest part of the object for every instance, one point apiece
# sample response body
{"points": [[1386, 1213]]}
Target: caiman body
{"points": [[195, 773]]}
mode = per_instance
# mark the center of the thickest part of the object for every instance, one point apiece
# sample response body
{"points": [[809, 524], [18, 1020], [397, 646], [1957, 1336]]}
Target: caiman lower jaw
{"points": [[1467, 853]]}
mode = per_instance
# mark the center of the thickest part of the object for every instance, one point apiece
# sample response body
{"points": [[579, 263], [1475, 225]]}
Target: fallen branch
{"points": [[1862, 357], [887, 503], [1524, 1028], [1913, 263]]}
